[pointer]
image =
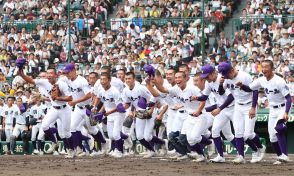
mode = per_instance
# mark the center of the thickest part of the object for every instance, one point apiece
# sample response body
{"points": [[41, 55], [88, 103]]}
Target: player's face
{"points": [[10, 101], [43, 75], [92, 79], [51, 75], [212, 77], [130, 81], [18, 102], [71, 75], [104, 81], [170, 76], [198, 82], [180, 80], [185, 70], [120, 75], [266, 69]]}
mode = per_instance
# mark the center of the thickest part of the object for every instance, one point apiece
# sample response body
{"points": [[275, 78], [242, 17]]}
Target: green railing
{"points": [[249, 22]]}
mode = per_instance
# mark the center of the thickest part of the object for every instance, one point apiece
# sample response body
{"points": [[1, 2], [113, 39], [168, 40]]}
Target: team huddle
{"points": [[117, 111]]}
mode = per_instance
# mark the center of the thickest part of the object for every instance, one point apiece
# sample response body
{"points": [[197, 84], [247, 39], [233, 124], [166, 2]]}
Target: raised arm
{"points": [[27, 78]]}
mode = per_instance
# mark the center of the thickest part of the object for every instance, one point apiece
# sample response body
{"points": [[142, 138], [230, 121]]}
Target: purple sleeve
{"points": [[211, 108], [288, 103], [221, 90], [254, 98], [245, 88], [202, 98], [227, 102]]}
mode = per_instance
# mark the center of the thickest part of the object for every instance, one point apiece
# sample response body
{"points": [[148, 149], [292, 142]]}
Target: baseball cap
{"points": [[206, 70], [68, 68], [224, 68]]}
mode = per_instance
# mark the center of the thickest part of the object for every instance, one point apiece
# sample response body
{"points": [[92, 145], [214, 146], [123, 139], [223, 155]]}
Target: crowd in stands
{"points": [[92, 44]]}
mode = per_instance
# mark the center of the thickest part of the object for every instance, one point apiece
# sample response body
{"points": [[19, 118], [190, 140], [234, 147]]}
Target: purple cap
{"points": [[142, 103], [149, 70], [206, 70], [68, 68], [120, 108], [22, 108], [224, 68]]}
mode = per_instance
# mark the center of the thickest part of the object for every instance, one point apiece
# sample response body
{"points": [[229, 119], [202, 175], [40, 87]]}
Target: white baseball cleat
{"points": [[277, 162], [52, 148], [182, 157], [199, 159], [218, 159], [110, 153], [41, 153], [255, 157], [79, 151], [283, 158], [175, 156], [239, 160], [150, 154], [82, 154], [261, 153], [117, 154], [70, 154], [62, 152], [171, 152], [95, 154], [55, 153], [193, 154], [36, 151]]}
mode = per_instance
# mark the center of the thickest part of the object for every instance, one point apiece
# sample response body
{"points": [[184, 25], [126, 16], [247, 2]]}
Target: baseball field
{"points": [[105, 166]]}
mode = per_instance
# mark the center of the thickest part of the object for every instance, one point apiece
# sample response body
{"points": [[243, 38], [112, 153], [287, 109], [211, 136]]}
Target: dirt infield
{"points": [[105, 166]]}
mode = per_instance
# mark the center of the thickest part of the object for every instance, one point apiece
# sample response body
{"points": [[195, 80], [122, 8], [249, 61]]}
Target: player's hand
{"points": [[106, 113], [71, 103], [239, 84], [216, 111], [252, 113], [94, 110], [194, 98], [159, 117], [222, 80], [196, 113], [286, 116]]}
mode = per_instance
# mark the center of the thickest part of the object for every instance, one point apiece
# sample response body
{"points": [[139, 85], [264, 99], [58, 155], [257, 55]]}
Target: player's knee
{"points": [[148, 137], [116, 136], [273, 138], [67, 135], [44, 127], [249, 135], [229, 137], [215, 132], [281, 127], [194, 139]]}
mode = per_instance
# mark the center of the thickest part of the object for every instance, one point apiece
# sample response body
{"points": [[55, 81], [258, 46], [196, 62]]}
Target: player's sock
{"points": [[38, 145], [146, 144], [99, 137], [65, 144], [54, 130], [156, 140], [86, 146], [256, 141], [282, 142], [197, 148], [251, 145], [276, 148], [219, 146], [119, 145], [112, 146], [9, 147], [205, 141], [233, 142], [34, 145], [123, 136], [50, 135], [240, 146]]}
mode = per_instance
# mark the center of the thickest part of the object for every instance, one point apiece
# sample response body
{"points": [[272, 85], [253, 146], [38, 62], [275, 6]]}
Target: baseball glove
{"points": [[128, 122], [143, 114], [33, 121], [55, 92]]}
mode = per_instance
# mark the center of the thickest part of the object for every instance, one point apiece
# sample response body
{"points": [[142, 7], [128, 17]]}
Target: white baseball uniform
{"points": [[9, 113], [20, 124], [275, 89], [37, 112]]}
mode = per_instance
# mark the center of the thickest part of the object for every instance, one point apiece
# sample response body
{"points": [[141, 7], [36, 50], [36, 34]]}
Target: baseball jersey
{"points": [[79, 88], [184, 96], [132, 96], [110, 98], [37, 112], [169, 99], [21, 118], [240, 96], [46, 87], [9, 113], [211, 88], [275, 89]]}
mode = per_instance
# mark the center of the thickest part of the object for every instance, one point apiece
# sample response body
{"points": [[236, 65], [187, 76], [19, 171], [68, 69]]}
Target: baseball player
{"points": [[78, 87], [37, 114], [280, 103], [139, 97], [222, 111], [60, 109], [10, 111], [243, 125], [189, 124], [110, 97], [21, 127]]}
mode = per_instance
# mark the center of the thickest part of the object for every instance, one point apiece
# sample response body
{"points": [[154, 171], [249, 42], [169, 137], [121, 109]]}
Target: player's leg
{"points": [[34, 132], [8, 133], [50, 118], [41, 140], [140, 128], [65, 119], [15, 133], [117, 127], [76, 119], [25, 136], [239, 128]]}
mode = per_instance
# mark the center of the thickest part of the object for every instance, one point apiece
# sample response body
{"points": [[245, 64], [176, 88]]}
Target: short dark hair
{"points": [[123, 70], [183, 73], [270, 63], [132, 74], [106, 75], [106, 68], [94, 73], [184, 66]]}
